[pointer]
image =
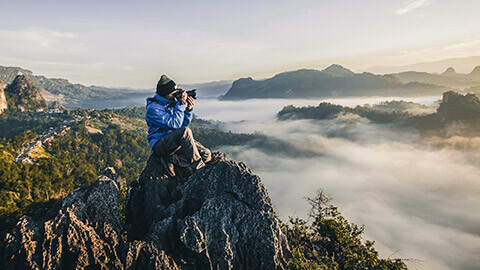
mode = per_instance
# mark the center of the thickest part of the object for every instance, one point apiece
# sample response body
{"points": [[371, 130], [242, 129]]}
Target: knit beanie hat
{"points": [[165, 86]]}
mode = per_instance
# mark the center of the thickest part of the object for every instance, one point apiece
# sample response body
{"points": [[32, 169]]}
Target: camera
{"points": [[191, 93]]}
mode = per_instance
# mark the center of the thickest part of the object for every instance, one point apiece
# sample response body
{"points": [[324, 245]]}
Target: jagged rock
{"points": [[110, 173], [3, 99], [24, 96], [221, 217], [82, 231], [141, 255]]}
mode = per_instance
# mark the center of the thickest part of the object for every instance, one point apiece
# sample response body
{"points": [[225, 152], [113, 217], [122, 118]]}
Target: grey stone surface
{"points": [[81, 232], [221, 217]]}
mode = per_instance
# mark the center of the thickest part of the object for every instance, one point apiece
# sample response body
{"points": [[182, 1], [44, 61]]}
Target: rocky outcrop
{"points": [[455, 106], [24, 96], [449, 78], [81, 231], [3, 100], [221, 217], [53, 86]]}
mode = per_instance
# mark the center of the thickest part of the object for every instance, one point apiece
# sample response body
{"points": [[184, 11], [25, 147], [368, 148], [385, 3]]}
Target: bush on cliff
{"points": [[331, 242]]}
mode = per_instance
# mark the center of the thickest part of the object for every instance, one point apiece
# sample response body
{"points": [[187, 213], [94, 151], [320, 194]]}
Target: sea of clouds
{"points": [[418, 197]]}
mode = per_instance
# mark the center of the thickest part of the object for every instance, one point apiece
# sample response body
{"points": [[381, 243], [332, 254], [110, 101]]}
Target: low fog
{"points": [[418, 197], [266, 109]]}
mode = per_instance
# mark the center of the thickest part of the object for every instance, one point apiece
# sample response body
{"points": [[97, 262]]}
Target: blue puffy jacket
{"points": [[163, 116]]}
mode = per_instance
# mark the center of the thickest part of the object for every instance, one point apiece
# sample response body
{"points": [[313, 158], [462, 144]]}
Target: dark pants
{"points": [[180, 142]]}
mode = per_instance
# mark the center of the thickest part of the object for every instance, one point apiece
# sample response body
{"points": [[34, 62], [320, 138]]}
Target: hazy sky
{"points": [[131, 43]]}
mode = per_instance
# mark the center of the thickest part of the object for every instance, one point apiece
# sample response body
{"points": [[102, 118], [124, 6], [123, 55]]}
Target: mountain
{"points": [[22, 95], [333, 81], [53, 86], [3, 99], [338, 71], [449, 72], [57, 89], [221, 217], [475, 73], [449, 77], [463, 65]]}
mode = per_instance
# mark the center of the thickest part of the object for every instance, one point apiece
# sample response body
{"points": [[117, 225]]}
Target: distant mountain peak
{"points": [[449, 71], [475, 71], [24, 95], [337, 70], [54, 86]]}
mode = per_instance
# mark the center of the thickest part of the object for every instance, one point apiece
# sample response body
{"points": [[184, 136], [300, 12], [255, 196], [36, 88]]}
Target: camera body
{"points": [[191, 93]]}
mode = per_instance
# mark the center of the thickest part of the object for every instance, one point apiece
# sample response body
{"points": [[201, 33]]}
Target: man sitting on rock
{"points": [[168, 116]]}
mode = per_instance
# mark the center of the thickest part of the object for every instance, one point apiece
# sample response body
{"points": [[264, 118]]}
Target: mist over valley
{"points": [[322, 135], [415, 191], [406, 167]]}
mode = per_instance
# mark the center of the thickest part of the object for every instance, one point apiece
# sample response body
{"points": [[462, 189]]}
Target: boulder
{"points": [[82, 231], [221, 217]]}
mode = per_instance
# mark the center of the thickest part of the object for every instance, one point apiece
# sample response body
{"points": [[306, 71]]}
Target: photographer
{"points": [[168, 117]]}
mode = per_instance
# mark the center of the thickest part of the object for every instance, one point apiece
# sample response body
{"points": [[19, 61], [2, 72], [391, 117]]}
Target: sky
{"points": [[131, 43]]}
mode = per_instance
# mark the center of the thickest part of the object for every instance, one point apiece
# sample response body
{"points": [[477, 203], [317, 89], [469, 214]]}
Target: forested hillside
{"points": [[454, 108], [80, 144], [78, 153]]}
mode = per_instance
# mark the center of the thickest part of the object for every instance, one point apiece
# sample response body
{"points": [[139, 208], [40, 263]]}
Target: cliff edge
{"points": [[221, 217]]}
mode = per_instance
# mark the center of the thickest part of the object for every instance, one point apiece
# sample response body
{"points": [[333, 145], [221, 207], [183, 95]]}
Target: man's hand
{"points": [[183, 98], [190, 103]]}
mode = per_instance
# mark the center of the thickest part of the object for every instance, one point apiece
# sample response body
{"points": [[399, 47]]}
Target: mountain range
{"points": [[333, 81], [449, 77], [62, 90], [462, 64], [60, 87]]}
